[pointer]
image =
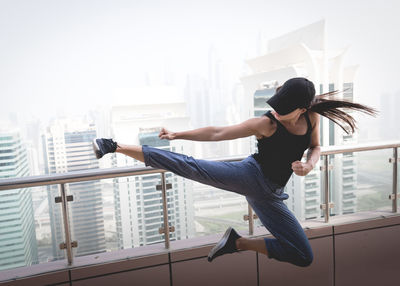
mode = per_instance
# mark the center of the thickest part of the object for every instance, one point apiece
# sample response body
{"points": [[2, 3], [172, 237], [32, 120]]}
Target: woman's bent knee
{"points": [[305, 259]]}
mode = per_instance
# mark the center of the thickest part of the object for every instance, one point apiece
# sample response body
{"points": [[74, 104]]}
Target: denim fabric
{"points": [[244, 177]]}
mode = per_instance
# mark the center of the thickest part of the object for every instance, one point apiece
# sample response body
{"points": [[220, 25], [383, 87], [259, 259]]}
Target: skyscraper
{"points": [[17, 225], [138, 204], [68, 147]]}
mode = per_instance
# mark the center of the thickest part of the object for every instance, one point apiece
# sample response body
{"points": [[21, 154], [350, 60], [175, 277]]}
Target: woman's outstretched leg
{"points": [[242, 177]]}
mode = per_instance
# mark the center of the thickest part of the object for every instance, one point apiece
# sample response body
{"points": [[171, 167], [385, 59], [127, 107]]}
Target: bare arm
{"points": [[313, 155], [253, 126], [200, 134], [313, 152]]}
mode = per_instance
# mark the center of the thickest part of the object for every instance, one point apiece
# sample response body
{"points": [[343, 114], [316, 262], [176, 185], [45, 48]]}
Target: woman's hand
{"points": [[301, 169], [165, 134]]}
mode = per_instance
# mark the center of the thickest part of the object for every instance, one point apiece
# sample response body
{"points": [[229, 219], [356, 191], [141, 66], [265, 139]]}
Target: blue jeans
{"points": [[244, 177]]}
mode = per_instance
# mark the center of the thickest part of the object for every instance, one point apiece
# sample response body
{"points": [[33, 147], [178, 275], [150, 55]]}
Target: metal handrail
{"points": [[97, 174], [331, 150]]}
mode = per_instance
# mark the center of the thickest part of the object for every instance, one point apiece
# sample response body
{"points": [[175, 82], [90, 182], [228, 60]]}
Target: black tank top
{"points": [[277, 152]]}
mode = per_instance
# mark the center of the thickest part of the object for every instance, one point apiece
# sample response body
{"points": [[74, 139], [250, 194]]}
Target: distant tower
{"points": [[17, 225], [68, 147], [210, 103]]}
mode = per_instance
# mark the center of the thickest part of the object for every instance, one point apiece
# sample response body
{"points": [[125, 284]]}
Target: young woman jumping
{"points": [[283, 135]]}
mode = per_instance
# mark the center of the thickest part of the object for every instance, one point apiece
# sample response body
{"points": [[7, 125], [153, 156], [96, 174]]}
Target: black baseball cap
{"points": [[295, 93]]}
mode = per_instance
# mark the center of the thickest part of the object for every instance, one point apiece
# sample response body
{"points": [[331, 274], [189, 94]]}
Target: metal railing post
{"points": [[250, 216], [251, 220], [165, 209], [394, 183], [326, 187], [67, 245]]}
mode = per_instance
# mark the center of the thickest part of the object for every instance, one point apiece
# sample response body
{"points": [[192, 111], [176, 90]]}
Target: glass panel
{"points": [[197, 210], [305, 195], [311, 189], [361, 182], [25, 228], [117, 213], [86, 217]]}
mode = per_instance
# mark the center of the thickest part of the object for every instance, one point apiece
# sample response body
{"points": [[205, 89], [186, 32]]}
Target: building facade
{"points": [[68, 147], [17, 225]]}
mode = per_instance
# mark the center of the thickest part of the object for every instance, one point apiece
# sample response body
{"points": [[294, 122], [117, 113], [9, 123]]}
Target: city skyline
{"points": [[61, 58]]}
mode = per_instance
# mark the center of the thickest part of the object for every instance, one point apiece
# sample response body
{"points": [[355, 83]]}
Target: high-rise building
{"points": [[17, 225], [68, 147], [304, 53], [138, 204]]}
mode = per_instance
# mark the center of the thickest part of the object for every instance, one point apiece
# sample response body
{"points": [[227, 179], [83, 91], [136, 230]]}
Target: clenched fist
{"points": [[300, 168], [165, 134]]}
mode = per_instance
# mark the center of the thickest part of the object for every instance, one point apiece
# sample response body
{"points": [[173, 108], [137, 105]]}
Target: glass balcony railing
{"points": [[62, 216]]}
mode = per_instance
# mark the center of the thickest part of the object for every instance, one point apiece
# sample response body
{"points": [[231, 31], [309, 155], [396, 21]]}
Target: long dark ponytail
{"points": [[329, 106]]}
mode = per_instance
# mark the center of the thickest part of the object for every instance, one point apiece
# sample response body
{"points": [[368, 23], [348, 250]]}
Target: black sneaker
{"points": [[227, 244], [102, 146]]}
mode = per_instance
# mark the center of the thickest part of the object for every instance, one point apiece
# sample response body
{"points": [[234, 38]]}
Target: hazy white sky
{"points": [[71, 55]]}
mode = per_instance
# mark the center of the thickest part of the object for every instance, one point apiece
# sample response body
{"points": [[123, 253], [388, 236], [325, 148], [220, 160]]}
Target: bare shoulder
{"points": [[314, 118], [264, 120], [265, 126]]}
